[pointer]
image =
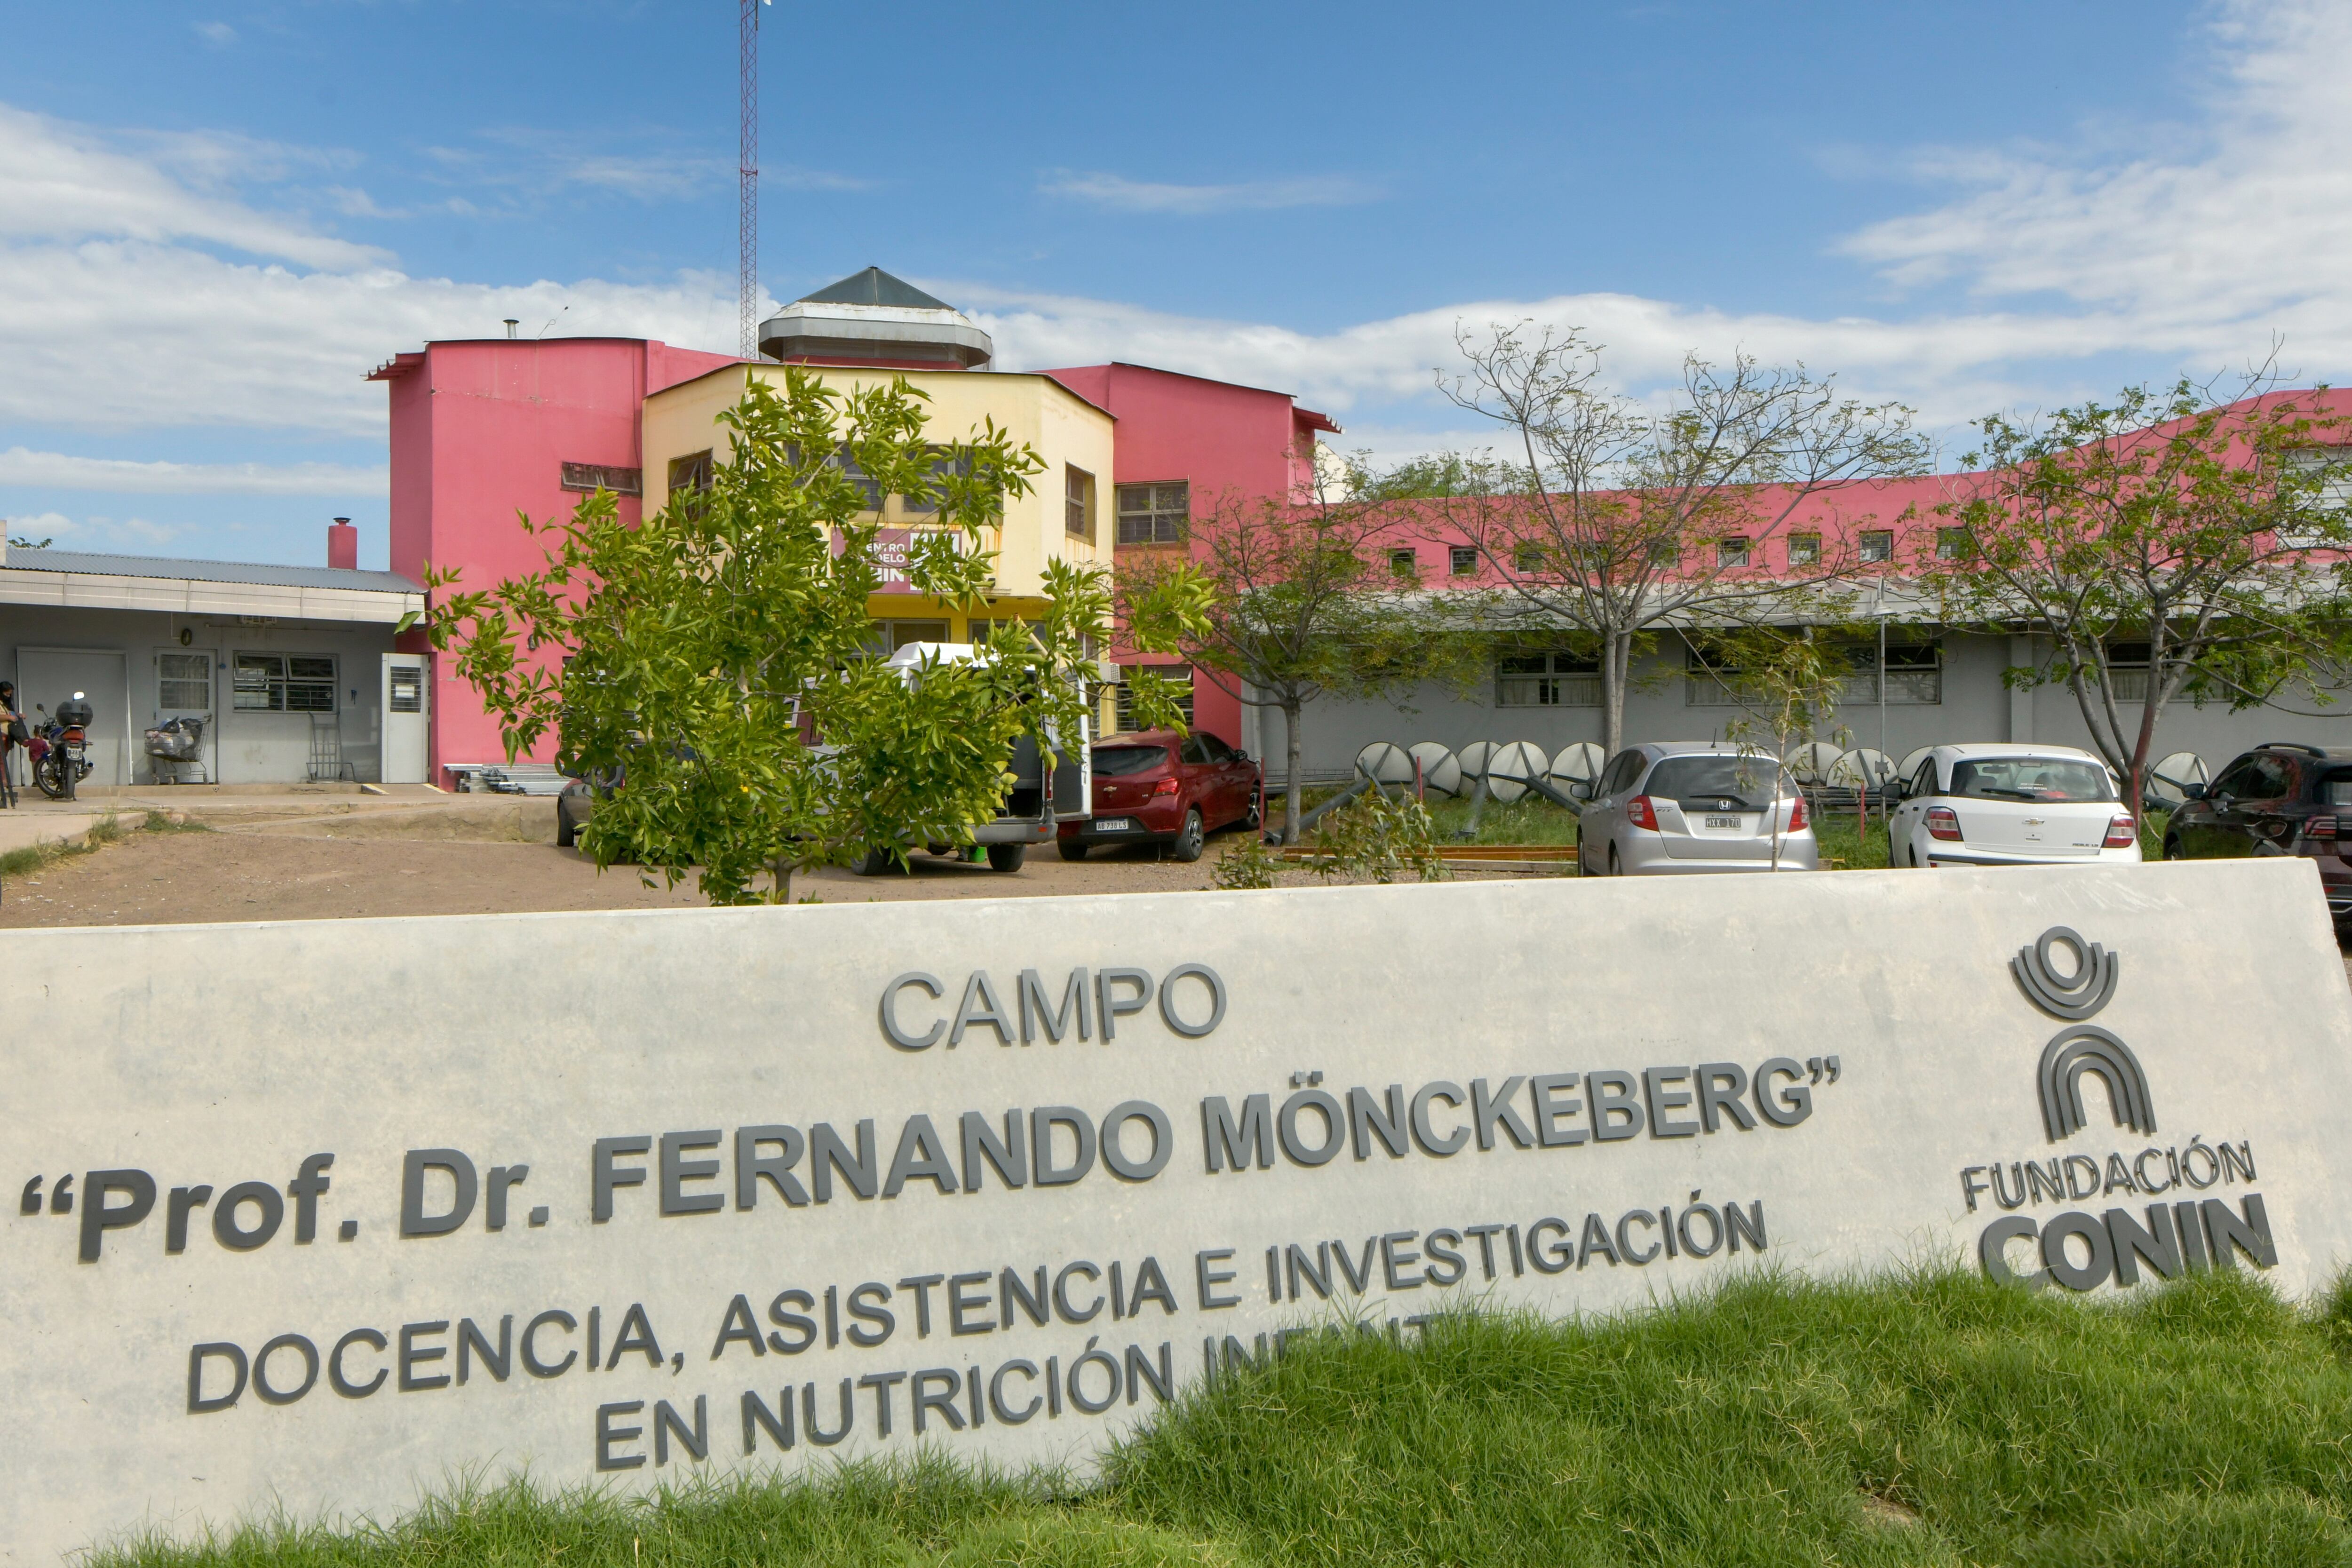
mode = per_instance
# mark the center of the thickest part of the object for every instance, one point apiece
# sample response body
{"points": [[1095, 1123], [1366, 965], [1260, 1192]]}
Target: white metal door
{"points": [[184, 690], [407, 716], [49, 676]]}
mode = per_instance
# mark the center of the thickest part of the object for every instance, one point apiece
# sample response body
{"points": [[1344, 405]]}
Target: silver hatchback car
{"points": [[1669, 807]]}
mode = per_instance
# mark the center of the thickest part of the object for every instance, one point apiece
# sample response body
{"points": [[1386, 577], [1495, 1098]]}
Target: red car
{"points": [[1156, 787]]}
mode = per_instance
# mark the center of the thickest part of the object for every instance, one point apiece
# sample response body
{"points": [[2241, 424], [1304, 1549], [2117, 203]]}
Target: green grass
{"points": [[1927, 1419]]}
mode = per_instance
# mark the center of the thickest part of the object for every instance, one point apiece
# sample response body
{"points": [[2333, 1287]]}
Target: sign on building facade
{"points": [[317, 1214]]}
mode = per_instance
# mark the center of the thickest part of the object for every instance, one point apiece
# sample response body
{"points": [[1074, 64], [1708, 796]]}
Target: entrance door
{"points": [[49, 676], [184, 690], [407, 716]]}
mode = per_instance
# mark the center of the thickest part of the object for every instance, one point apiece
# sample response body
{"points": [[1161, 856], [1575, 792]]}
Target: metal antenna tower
{"points": [[746, 174]]}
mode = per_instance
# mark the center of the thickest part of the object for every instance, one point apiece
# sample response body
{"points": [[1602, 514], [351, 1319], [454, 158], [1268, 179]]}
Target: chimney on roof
{"points": [[342, 545], [511, 324]]}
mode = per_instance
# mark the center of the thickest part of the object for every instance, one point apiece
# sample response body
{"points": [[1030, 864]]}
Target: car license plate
{"points": [[1730, 822], [1113, 824]]}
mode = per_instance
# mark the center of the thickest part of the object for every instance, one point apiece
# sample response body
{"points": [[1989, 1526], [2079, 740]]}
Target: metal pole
{"points": [[747, 176]]}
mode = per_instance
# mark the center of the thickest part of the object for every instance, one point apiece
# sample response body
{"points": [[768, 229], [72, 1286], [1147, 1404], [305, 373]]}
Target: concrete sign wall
{"points": [[320, 1214]]}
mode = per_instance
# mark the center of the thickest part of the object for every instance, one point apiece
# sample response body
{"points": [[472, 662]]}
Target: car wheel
{"points": [[566, 836], [1187, 846], [1254, 818], [1074, 849], [1006, 857], [2173, 851], [874, 863]]}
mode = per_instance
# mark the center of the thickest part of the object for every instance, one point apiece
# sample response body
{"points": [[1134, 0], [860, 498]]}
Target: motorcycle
{"points": [[61, 748]]}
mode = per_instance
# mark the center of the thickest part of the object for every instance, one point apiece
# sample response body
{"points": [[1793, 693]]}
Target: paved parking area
{"points": [[256, 857]]}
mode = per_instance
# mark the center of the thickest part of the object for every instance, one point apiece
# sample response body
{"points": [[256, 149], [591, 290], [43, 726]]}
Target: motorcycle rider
{"points": [[12, 734]]}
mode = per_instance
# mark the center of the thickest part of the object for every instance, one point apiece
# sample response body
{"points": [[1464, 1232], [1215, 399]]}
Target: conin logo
{"points": [[2081, 1249], [2082, 1048]]}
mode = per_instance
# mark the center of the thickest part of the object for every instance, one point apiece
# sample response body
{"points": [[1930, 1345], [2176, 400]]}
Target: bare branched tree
{"points": [[1618, 518]]}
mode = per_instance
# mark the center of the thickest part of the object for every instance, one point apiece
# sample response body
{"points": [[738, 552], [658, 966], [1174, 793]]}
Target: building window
{"points": [[1179, 675], [691, 472], [285, 683], [1405, 562], [943, 468], [1526, 558], [1914, 674], [1078, 504], [1877, 546], [1804, 550], [1952, 544], [1556, 678], [1730, 553], [592, 477], [1461, 560], [183, 682], [407, 689], [1153, 514]]}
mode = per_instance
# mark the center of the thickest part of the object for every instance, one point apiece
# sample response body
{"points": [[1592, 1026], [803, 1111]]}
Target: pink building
{"points": [[481, 428]]}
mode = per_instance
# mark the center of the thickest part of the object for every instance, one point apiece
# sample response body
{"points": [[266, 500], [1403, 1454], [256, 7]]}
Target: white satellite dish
{"points": [[1576, 769], [1473, 759], [1384, 762], [1810, 762], [2169, 778], [1440, 769], [1510, 765], [1861, 768]]}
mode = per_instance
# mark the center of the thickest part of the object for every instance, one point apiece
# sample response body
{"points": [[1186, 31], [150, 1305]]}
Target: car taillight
{"points": [[1943, 824], [1165, 787], [1640, 812], [1797, 816], [2322, 828], [2121, 832]]}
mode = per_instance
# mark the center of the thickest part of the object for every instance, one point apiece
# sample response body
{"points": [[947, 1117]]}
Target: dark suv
{"points": [[2278, 799]]}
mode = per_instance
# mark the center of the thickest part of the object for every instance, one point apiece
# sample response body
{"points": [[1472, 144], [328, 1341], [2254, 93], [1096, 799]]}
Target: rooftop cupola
{"points": [[872, 318]]}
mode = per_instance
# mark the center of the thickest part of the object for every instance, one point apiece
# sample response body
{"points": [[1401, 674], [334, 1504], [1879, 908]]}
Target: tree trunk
{"points": [[1295, 744], [1616, 654]]}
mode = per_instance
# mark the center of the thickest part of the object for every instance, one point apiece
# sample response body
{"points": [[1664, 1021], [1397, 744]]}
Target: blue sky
{"points": [[214, 219]]}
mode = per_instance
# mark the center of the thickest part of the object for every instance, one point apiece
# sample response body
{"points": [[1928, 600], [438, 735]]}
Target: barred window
{"points": [[1405, 562], [1730, 553], [1461, 560], [691, 472], [1804, 550], [285, 683], [1555, 678], [1179, 675], [1877, 546], [1153, 514], [1952, 544]]}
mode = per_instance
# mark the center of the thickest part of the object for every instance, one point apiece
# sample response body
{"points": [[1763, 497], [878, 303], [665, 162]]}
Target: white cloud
{"points": [[92, 533], [219, 33], [1117, 192], [59, 183], [62, 471]]}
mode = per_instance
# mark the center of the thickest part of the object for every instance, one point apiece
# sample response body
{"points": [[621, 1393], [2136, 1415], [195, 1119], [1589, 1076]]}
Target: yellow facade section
{"points": [[1072, 436]]}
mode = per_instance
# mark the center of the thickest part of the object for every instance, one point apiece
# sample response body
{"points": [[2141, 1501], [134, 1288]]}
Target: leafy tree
{"points": [[717, 657], [1788, 681], [2204, 529], [1621, 518], [1300, 600]]}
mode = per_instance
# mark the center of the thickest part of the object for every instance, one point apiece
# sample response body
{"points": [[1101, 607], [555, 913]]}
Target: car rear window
{"points": [[2031, 778], [1114, 761], [1747, 780], [2336, 789]]}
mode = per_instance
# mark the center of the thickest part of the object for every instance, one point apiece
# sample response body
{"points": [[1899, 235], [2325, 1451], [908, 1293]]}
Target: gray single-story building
{"points": [[1939, 688], [290, 668]]}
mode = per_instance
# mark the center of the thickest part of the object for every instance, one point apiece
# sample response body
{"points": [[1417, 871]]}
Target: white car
{"points": [[2010, 806]]}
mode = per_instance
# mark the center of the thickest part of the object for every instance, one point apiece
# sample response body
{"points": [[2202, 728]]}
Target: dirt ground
{"points": [[241, 862]]}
